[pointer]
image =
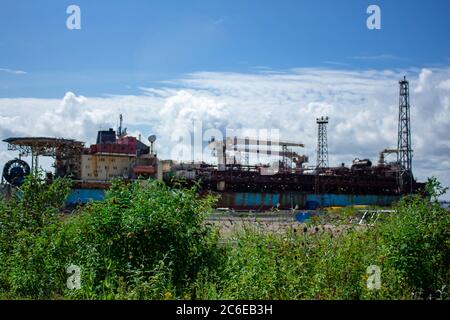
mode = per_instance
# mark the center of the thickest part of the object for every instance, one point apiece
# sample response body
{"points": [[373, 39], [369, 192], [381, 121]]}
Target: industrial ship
{"points": [[293, 184]]}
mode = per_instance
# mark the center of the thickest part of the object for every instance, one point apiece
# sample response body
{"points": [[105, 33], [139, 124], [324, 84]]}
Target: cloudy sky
{"points": [[237, 65]]}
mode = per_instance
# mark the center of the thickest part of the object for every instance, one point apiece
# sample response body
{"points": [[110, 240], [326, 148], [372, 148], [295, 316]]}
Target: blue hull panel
{"points": [[82, 196], [290, 200], [260, 201]]}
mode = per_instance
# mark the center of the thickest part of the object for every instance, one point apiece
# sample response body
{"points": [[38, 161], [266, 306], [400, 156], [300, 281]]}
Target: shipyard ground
{"points": [[329, 220]]}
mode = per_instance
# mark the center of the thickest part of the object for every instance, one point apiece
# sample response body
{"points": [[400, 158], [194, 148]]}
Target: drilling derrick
{"points": [[404, 155], [322, 144]]}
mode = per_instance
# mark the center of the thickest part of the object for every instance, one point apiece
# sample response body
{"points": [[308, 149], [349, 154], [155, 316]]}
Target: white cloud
{"points": [[423, 84], [337, 63], [445, 85], [376, 57], [11, 71], [362, 106]]}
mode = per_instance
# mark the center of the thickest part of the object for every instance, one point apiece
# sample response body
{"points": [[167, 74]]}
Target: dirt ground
{"points": [[229, 223]]}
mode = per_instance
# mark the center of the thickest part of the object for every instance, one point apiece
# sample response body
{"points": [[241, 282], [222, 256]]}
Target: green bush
{"points": [[29, 224], [143, 240], [135, 231], [150, 241], [411, 247], [416, 242]]}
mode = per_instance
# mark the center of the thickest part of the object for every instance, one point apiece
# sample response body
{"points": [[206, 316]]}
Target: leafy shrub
{"points": [[29, 223], [143, 235], [149, 241], [416, 242], [137, 228]]}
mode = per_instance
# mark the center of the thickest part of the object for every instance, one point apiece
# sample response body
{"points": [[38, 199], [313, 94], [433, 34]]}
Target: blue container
{"points": [[302, 216], [312, 205]]}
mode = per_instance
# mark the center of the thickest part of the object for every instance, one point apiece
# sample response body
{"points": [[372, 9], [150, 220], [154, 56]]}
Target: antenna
{"points": [[404, 155], [120, 125], [322, 143], [152, 140], [121, 131]]}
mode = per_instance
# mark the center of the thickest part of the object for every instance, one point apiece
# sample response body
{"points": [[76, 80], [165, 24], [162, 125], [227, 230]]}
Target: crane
{"points": [[286, 154], [238, 144]]}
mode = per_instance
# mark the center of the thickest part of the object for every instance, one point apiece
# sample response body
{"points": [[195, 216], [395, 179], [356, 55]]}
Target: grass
{"points": [[148, 241]]}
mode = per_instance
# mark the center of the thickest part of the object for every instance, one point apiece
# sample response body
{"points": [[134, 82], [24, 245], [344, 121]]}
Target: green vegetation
{"points": [[149, 241]]}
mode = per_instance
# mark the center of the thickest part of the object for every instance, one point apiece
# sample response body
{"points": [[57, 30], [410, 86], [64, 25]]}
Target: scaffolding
{"points": [[322, 144], [404, 155]]}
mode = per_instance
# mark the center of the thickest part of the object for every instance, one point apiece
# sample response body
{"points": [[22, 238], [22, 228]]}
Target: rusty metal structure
{"points": [[383, 153], [238, 146], [66, 152], [112, 156]]}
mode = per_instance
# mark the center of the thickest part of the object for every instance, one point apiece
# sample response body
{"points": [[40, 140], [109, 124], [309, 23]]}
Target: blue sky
{"points": [[124, 45]]}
